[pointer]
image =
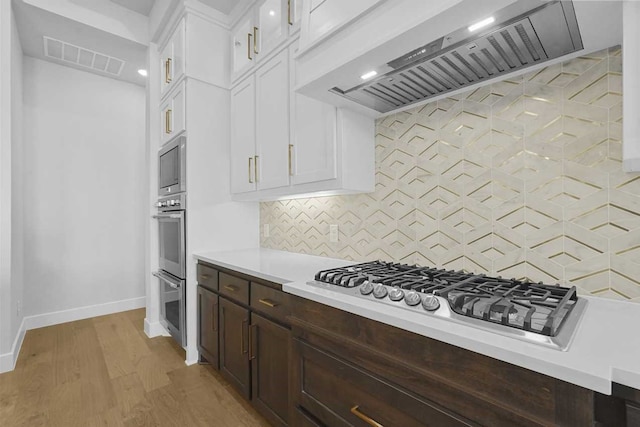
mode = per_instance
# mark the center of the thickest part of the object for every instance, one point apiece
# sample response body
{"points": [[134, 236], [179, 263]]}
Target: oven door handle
{"points": [[169, 216], [166, 280]]}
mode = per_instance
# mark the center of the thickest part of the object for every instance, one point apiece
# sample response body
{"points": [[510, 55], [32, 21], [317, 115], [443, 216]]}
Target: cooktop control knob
{"points": [[379, 291], [366, 288], [412, 298], [396, 294], [158, 204], [172, 202], [430, 303]]}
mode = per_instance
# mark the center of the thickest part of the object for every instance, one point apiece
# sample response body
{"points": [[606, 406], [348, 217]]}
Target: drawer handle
{"points": [[230, 288], [205, 277], [355, 411], [268, 303]]}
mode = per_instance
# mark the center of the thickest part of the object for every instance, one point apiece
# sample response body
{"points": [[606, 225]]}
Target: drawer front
{"points": [[207, 277], [339, 394], [234, 287], [272, 302]]}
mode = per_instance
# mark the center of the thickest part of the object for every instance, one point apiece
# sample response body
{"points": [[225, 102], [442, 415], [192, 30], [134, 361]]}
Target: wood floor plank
{"points": [[106, 372]]}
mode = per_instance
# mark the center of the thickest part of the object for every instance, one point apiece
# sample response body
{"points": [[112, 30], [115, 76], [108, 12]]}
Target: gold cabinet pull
{"points": [[230, 288], [290, 160], [167, 70], [250, 174], [242, 336], [252, 336], [289, 12], [167, 121], [255, 40], [355, 411], [256, 167], [268, 303], [249, 35]]}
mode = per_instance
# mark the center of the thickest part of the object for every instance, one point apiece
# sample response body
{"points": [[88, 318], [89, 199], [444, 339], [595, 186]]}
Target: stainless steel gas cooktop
{"points": [[533, 312]]}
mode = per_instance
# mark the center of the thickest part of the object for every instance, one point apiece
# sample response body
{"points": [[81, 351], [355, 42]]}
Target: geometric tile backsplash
{"points": [[521, 178]]}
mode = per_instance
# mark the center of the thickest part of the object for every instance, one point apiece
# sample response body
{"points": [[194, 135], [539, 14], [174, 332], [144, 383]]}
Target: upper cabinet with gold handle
{"points": [[173, 113], [172, 59], [255, 40]]}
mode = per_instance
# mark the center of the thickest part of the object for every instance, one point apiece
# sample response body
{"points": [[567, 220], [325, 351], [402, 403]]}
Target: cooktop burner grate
{"points": [[533, 307]]}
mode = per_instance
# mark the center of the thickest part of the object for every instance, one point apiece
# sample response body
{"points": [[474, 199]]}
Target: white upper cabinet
{"points": [[173, 114], [294, 14], [271, 25], [242, 47], [172, 59], [320, 18], [291, 144], [272, 122], [243, 137], [259, 33]]}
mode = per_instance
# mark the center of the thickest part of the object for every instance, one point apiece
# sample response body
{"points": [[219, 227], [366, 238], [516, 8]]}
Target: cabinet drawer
{"points": [[272, 302], [340, 394], [207, 277], [234, 287]]}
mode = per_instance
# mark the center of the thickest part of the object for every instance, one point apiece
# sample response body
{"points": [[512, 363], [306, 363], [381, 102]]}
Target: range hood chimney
{"points": [[521, 35]]}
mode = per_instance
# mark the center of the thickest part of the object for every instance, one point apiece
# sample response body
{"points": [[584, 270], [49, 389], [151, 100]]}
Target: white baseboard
{"points": [[155, 329], [64, 316], [8, 360]]}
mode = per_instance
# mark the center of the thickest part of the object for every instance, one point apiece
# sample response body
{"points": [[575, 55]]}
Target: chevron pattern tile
{"points": [[521, 178]]}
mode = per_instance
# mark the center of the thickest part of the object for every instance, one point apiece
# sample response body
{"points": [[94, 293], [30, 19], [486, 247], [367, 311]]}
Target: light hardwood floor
{"points": [[106, 372]]}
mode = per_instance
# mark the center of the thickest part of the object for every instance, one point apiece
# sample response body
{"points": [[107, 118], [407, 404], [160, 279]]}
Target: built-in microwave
{"points": [[171, 167]]}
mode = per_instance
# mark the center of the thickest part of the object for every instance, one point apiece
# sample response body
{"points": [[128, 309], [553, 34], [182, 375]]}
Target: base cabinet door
{"points": [[234, 345], [269, 356], [208, 325]]}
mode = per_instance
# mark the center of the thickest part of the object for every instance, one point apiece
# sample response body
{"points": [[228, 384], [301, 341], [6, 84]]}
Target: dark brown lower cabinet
{"points": [[340, 394], [208, 325], [234, 345], [269, 355]]}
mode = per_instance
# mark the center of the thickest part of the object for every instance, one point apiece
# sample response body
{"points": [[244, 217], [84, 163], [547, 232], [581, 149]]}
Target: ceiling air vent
{"points": [[86, 58]]}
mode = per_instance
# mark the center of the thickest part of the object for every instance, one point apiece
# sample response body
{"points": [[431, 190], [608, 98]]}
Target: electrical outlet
{"points": [[333, 233], [265, 230], [18, 307]]}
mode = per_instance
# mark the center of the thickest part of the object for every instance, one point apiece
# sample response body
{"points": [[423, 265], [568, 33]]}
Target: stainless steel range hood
{"points": [[520, 35]]}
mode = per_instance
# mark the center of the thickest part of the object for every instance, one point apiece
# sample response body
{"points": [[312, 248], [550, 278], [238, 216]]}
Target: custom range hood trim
{"points": [[524, 34]]}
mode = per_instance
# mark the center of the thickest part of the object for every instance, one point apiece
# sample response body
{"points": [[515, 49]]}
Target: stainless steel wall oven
{"points": [[172, 273]]}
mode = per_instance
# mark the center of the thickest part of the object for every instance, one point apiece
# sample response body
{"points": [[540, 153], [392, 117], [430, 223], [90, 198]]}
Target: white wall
{"points": [[5, 179], [84, 187], [17, 183]]}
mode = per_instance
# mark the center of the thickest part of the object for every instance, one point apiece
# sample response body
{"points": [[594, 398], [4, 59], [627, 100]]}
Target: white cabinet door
{"points": [[172, 59], [271, 25], [177, 63], [313, 140], [172, 114], [294, 14], [242, 47], [272, 124], [243, 136]]}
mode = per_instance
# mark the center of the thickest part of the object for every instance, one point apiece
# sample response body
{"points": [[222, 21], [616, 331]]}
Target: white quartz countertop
{"points": [[606, 346], [275, 266]]}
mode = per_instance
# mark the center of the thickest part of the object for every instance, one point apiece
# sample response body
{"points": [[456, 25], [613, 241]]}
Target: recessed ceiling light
{"points": [[142, 72], [368, 75], [483, 23], [272, 13]]}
